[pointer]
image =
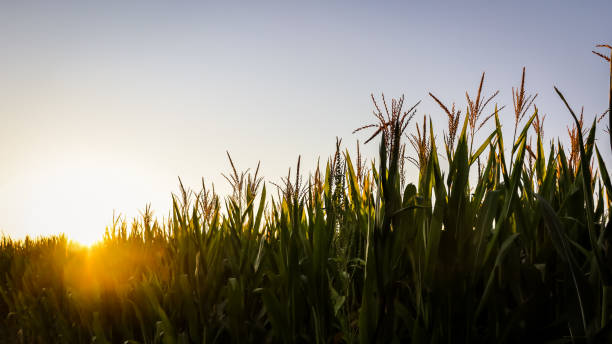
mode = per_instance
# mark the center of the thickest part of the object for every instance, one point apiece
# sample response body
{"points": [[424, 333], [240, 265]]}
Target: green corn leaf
{"points": [[482, 147], [604, 175], [560, 242], [503, 251], [523, 134]]}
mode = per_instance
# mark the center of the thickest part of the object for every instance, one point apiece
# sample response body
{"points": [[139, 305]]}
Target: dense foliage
{"points": [[510, 242]]}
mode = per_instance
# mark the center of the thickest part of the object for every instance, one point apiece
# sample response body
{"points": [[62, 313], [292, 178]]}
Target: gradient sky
{"points": [[103, 105]]}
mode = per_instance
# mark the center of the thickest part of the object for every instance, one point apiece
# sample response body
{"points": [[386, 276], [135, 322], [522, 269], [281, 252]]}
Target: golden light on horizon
{"points": [[77, 198]]}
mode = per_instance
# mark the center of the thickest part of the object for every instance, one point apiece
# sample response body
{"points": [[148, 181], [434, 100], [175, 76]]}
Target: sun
{"points": [[76, 199], [86, 241]]}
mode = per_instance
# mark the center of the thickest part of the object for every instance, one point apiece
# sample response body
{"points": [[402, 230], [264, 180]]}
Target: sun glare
{"points": [[85, 242], [77, 199]]}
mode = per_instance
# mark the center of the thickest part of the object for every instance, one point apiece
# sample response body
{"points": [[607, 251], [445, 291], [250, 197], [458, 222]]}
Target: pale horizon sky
{"points": [[104, 104]]}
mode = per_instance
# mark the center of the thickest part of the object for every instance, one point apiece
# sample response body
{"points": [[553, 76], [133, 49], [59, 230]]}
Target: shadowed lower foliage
{"points": [[490, 250]]}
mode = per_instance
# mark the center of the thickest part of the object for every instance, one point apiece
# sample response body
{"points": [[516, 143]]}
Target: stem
{"points": [[610, 105], [604, 306], [514, 141]]}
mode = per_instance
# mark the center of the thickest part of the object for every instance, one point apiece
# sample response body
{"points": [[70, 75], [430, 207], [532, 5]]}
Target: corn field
{"points": [[510, 241]]}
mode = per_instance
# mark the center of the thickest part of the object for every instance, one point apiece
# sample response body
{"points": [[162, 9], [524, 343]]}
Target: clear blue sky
{"points": [[104, 104]]}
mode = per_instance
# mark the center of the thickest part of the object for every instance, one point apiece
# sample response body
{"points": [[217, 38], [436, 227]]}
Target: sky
{"points": [[103, 105]]}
